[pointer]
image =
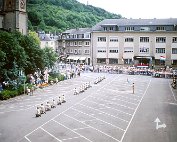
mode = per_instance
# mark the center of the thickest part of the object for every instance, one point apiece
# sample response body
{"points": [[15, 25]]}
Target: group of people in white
{"points": [[99, 79], [49, 105], [82, 88]]}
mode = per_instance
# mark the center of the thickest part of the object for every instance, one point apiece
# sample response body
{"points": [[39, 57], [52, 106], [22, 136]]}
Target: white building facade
{"points": [[134, 42], [75, 44]]}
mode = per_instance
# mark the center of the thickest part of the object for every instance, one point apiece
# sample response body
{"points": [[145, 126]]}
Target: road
{"points": [[108, 111]]}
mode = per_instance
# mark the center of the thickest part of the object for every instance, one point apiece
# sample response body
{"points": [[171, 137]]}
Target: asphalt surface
{"points": [[106, 112]]}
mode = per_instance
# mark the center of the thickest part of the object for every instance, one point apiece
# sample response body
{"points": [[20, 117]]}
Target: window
{"points": [[101, 60], [87, 35], [87, 43], [113, 51], [144, 39], [174, 40], [101, 39], [79, 51], [160, 28], [129, 28], [111, 28], [144, 50], [67, 44], [160, 39], [75, 51], [71, 43], [159, 62], [174, 50], [144, 29], [71, 50], [127, 61], [105, 28], [86, 51], [67, 51], [113, 61], [113, 39], [80, 43], [75, 36], [75, 43], [160, 50], [101, 50], [129, 39], [128, 49]]}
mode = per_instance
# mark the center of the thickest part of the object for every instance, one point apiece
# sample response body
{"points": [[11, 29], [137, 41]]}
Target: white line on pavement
{"points": [[50, 134], [112, 103], [71, 130], [110, 108], [135, 111], [99, 119], [102, 112], [93, 128], [68, 109]]}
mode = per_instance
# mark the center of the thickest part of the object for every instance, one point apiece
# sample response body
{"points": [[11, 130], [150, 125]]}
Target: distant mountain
{"points": [[59, 15]]}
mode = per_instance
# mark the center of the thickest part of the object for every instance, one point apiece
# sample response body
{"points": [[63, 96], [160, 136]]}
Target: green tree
{"points": [[50, 57]]}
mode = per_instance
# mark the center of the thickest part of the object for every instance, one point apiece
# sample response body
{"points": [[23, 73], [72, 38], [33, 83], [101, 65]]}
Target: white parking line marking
{"points": [[93, 128], [71, 130], [135, 112], [81, 128], [50, 134], [110, 108], [99, 119], [112, 103], [102, 112], [70, 138], [69, 109]]}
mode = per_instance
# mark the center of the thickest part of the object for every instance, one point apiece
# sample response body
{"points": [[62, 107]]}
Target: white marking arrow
{"points": [[157, 121]]}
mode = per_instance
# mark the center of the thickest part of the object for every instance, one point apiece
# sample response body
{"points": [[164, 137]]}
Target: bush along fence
{"points": [[28, 88]]}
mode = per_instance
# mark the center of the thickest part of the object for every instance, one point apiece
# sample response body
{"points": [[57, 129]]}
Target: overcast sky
{"points": [[144, 9]]}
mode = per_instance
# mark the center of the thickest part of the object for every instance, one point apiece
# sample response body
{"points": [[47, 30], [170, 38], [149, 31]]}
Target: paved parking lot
{"points": [[106, 112]]}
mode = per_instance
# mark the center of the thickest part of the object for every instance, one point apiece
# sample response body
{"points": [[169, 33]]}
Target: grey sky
{"points": [[138, 8]]}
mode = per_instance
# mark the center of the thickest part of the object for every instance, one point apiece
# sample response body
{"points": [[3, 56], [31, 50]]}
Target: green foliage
{"points": [[50, 57], [6, 94], [59, 15], [52, 76]]}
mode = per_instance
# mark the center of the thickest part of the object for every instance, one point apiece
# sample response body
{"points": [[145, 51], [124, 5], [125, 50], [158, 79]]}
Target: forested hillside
{"points": [[59, 15]]}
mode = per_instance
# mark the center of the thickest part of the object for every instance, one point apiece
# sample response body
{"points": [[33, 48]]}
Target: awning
{"points": [[76, 58], [82, 58], [70, 58]]}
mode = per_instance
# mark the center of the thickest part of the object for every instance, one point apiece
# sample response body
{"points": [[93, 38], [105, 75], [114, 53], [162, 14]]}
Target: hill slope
{"points": [[59, 15]]}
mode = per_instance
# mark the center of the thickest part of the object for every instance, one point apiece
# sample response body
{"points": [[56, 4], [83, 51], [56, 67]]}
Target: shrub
{"points": [[21, 89], [7, 94], [61, 77]]}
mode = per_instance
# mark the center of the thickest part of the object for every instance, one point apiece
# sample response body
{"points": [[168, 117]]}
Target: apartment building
{"points": [[48, 40], [75, 44], [134, 42]]}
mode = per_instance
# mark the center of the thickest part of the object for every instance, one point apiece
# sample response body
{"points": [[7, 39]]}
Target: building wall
{"points": [[15, 16], [136, 44]]}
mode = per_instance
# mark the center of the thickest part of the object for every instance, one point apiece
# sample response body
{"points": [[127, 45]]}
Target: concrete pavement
{"points": [[108, 111]]}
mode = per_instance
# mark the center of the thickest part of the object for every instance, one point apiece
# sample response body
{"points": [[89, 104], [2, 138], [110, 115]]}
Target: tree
{"points": [[50, 57]]}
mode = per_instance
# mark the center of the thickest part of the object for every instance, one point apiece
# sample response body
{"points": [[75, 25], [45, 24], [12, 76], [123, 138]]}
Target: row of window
{"points": [[77, 36], [141, 50], [77, 51], [110, 51], [142, 39], [87, 43], [158, 28]]}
